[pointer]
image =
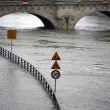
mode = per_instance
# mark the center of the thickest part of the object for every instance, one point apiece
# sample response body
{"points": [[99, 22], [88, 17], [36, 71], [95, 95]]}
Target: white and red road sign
{"points": [[105, 1], [24, 2], [55, 74]]}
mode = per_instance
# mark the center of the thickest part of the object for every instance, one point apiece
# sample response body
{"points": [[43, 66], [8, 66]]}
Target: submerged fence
{"points": [[32, 70]]}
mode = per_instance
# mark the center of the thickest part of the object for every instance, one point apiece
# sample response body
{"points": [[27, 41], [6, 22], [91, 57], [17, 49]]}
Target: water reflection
{"points": [[94, 23], [20, 21]]}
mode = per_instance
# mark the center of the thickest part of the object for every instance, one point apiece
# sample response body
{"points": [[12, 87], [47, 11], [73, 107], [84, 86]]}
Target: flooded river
{"points": [[85, 61]]}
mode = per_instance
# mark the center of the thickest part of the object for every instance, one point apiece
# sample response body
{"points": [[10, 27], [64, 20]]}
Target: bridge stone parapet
{"points": [[63, 14]]}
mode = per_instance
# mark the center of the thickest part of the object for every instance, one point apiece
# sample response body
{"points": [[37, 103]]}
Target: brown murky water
{"points": [[85, 66]]}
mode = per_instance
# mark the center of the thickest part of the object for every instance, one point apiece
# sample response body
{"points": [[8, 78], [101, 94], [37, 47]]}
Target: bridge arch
{"points": [[46, 15], [78, 18], [107, 13], [76, 12], [47, 23]]}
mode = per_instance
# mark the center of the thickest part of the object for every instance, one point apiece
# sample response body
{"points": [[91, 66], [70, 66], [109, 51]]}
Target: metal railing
{"points": [[32, 70]]}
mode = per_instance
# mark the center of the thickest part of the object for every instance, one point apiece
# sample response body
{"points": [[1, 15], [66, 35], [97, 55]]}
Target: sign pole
{"points": [[11, 45], [55, 85], [55, 73], [11, 34]]}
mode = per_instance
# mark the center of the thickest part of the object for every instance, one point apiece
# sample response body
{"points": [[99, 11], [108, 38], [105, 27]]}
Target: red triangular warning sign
{"points": [[56, 56], [55, 66]]}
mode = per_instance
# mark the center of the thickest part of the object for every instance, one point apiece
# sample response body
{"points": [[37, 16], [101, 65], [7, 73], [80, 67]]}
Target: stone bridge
{"points": [[63, 14]]}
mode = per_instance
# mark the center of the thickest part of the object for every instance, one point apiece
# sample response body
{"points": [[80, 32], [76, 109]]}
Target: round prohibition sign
{"points": [[55, 74]]}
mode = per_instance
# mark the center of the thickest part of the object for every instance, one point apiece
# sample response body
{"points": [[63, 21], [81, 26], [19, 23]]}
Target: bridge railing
{"points": [[32, 70], [19, 2], [42, 2]]}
